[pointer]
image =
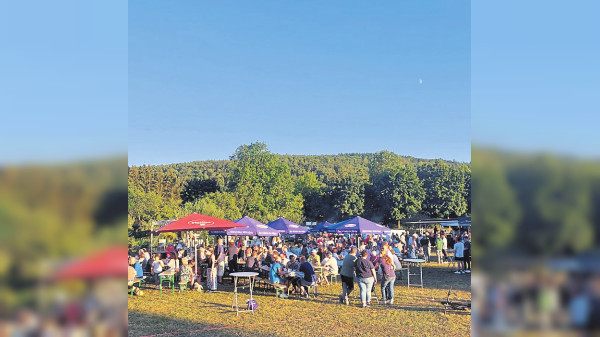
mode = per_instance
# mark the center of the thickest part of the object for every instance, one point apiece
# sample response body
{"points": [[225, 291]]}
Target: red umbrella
{"points": [[111, 262], [198, 222]]}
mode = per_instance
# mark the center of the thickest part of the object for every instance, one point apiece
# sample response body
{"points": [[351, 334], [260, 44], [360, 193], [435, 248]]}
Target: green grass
{"points": [[416, 312]]}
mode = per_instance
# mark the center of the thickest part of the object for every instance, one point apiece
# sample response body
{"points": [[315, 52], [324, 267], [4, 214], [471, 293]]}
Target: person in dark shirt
{"points": [[232, 254], [269, 260], [242, 252], [425, 245], [309, 275], [321, 253], [467, 254], [347, 273], [365, 275], [304, 251]]}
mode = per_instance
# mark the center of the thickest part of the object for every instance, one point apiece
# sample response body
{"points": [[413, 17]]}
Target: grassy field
{"points": [[415, 311]]}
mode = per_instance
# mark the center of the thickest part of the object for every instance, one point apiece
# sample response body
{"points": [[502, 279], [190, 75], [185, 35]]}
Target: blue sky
{"points": [[536, 76], [303, 77], [63, 80]]}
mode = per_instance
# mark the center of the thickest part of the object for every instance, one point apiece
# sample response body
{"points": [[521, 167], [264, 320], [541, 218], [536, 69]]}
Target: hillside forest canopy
{"points": [[383, 186]]}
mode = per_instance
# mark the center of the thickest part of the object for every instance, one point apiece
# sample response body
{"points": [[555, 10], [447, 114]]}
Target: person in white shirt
{"points": [[459, 255], [284, 260], [331, 266]]}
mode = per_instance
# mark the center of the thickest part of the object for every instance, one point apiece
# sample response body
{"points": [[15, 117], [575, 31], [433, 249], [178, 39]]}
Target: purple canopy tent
{"points": [[322, 227], [358, 225], [253, 228], [285, 226]]}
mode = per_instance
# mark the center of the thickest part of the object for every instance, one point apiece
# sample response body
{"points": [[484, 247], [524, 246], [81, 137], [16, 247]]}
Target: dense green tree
{"points": [[196, 188], [382, 161], [400, 193], [444, 190], [311, 190], [219, 204], [497, 210], [346, 197], [263, 184]]}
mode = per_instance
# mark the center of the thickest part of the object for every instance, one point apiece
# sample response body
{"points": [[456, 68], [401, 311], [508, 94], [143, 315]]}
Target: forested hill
{"points": [[382, 186], [326, 167]]}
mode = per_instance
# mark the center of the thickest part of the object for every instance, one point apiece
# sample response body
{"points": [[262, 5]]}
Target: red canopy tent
{"points": [[198, 222], [111, 262]]}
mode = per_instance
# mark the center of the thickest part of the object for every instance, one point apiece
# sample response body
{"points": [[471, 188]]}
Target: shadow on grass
{"points": [[141, 324]]}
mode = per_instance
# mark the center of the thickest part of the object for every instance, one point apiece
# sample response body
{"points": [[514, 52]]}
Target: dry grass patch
{"points": [[415, 311]]}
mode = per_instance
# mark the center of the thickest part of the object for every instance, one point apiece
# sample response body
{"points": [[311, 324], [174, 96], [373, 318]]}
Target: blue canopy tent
{"points": [[322, 227], [285, 226]]}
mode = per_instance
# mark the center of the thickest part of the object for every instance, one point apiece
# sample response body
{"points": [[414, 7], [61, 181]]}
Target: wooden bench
{"points": [[182, 286], [138, 281], [309, 287], [279, 288]]}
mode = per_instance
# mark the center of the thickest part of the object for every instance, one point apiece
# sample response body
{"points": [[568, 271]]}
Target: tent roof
{"points": [[358, 225], [198, 222], [320, 227], [110, 262], [251, 228], [286, 226]]}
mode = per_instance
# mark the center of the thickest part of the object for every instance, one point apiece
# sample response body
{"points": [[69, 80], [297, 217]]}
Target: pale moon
{"points": [[420, 81]]}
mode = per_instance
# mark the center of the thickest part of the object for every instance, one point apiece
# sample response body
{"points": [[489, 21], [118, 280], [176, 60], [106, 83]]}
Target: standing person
{"points": [[444, 246], [412, 250], [467, 254], [425, 246], [241, 253], [389, 277], [365, 275], [232, 256], [218, 260], [439, 245], [459, 248], [347, 274]]}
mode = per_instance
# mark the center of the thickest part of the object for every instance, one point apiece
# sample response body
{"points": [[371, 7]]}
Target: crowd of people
{"points": [[361, 260]]}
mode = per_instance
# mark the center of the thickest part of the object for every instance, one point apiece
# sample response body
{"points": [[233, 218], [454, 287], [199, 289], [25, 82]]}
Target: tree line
{"points": [[383, 186], [534, 205]]}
